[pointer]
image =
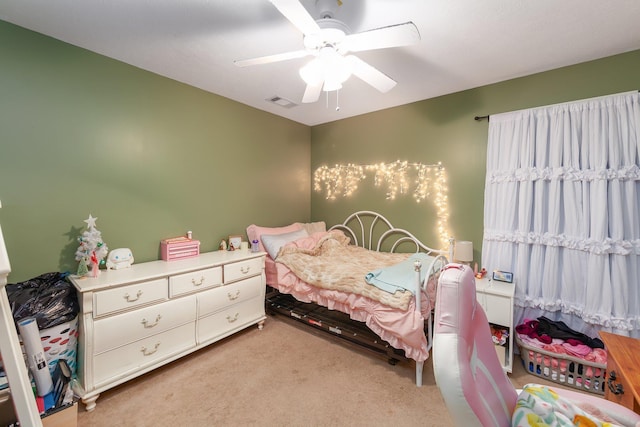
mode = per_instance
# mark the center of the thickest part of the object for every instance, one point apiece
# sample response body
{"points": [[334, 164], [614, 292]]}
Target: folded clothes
{"points": [[580, 350], [529, 334], [530, 329], [598, 355], [558, 329]]}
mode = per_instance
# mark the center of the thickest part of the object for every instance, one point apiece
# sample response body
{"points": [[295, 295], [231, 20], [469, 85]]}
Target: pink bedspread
{"points": [[403, 329]]}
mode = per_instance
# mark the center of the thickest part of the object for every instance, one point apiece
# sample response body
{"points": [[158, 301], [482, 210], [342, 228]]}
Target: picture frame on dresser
{"points": [[235, 240], [502, 276]]}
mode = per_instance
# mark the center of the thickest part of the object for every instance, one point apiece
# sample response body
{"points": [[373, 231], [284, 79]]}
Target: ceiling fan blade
{"points": [[370, 75], [272, 58], [312, 93], [392, 36], [298, 15]]}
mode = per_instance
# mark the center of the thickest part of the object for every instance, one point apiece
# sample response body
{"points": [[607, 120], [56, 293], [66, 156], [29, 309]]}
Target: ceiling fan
{"points": [[329, 41]]}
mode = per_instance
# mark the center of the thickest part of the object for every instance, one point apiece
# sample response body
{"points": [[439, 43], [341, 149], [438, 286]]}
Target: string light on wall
{"points": [[430, 183], [340, 180], [441, 202], [394, 175]]}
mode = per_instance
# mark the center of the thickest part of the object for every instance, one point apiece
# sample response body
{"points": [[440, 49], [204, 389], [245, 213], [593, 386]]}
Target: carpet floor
{"points": [[279, 376]]}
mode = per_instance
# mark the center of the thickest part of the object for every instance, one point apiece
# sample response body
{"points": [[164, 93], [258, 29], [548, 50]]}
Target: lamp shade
{"points": [[463, 251], [329, 67]]}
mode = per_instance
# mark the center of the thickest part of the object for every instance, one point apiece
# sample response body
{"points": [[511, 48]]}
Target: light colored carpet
{"points": [[280, 376]]}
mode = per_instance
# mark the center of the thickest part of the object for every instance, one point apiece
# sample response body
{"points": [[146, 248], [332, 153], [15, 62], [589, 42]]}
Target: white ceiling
{"points": [[464, 43]]}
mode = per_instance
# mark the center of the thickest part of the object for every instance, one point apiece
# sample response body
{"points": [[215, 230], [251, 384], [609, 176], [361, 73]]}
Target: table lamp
{"points": [[463, 252]]}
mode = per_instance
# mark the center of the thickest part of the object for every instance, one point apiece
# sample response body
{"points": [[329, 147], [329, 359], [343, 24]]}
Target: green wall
{"points": [[152, 158], [149, 157], [444, 130]]}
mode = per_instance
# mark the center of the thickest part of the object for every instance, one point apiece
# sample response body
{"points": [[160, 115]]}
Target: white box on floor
{"points": [[502, 352], [67, 417]]}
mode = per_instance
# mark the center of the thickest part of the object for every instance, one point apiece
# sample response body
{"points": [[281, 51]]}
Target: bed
{"points": [[356, 280]]}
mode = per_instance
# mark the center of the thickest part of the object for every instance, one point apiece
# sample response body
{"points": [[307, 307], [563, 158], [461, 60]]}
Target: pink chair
{"points": [[474, 386]]}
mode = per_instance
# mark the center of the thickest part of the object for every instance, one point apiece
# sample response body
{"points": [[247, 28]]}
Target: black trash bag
{"points": [[49, 298]]}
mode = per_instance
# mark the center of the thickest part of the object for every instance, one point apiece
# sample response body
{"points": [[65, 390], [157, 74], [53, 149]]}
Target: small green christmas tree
{"points": [[83, 270], [92, 249]]}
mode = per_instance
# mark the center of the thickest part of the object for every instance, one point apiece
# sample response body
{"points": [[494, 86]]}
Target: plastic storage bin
{"points": [[60, 342], [563, 369], [179, 248]]}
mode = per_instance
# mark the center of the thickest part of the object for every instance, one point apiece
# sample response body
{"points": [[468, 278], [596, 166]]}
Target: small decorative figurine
{"points": [[119, 258], [223, 245], [480, 274]]}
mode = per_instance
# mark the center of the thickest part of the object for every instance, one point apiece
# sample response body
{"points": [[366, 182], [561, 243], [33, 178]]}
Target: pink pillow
{"points": [[313, 227], [255, 232]]}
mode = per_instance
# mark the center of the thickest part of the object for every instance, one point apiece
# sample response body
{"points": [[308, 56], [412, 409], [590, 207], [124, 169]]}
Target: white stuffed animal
{"points": [[119, 258]]}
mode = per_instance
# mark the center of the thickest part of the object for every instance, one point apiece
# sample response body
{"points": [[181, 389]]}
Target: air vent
{"points": [[283, 102]]}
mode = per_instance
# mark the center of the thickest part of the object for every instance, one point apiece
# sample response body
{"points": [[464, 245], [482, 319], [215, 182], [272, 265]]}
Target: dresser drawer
{"points": [[243, 269], [130, 296], [619, 383], [219, 298], [140, 354], [229, 320], [116, 331], [195, 281]]}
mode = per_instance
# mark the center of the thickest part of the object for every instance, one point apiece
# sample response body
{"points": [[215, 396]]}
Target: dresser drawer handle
{"points": [[245, 270], [193, 281], [232, 319], [233, 297], [147, 352], [128, 298], [614, 388], [148, 325]]}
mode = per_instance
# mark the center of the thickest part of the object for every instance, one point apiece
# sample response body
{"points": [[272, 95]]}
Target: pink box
{"points": [[179, 248]]}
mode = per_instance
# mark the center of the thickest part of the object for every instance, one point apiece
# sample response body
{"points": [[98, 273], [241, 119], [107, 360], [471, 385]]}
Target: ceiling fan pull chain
{"points": [[338, 100]]}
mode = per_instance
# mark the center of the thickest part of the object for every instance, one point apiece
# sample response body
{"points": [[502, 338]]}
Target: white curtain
{"points": [[562, 211]]}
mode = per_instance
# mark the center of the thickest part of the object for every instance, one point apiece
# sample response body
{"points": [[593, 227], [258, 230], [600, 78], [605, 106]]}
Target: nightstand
{"points": [[496, 298]]}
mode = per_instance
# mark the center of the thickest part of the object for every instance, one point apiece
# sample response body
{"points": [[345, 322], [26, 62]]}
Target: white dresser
{"points": [[137, 319], [496, 298]]}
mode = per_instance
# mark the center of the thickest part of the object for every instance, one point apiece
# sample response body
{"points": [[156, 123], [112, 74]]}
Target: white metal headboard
{"points": [[360, 227]]}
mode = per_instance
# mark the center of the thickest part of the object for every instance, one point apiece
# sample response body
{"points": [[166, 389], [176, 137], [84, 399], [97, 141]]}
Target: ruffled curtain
{"points": [[562, 211]]}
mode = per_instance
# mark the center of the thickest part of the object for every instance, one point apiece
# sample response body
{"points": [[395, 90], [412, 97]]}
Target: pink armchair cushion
{"points": [[474, 385]]}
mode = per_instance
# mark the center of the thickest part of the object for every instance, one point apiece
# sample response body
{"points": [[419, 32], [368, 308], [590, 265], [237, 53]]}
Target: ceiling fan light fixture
{"points": [[331, 85], [329, 67], [329, 40], [313, 72], [335, 76]]}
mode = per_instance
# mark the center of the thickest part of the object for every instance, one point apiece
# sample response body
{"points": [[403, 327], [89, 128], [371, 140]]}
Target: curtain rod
{"points": [[488, 117]]}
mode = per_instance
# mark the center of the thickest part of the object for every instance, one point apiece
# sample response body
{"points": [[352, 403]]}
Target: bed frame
{"points": [[372, 231]]}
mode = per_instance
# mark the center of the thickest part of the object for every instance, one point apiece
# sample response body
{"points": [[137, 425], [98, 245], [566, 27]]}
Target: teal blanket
{"points": [[401, 276]]}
